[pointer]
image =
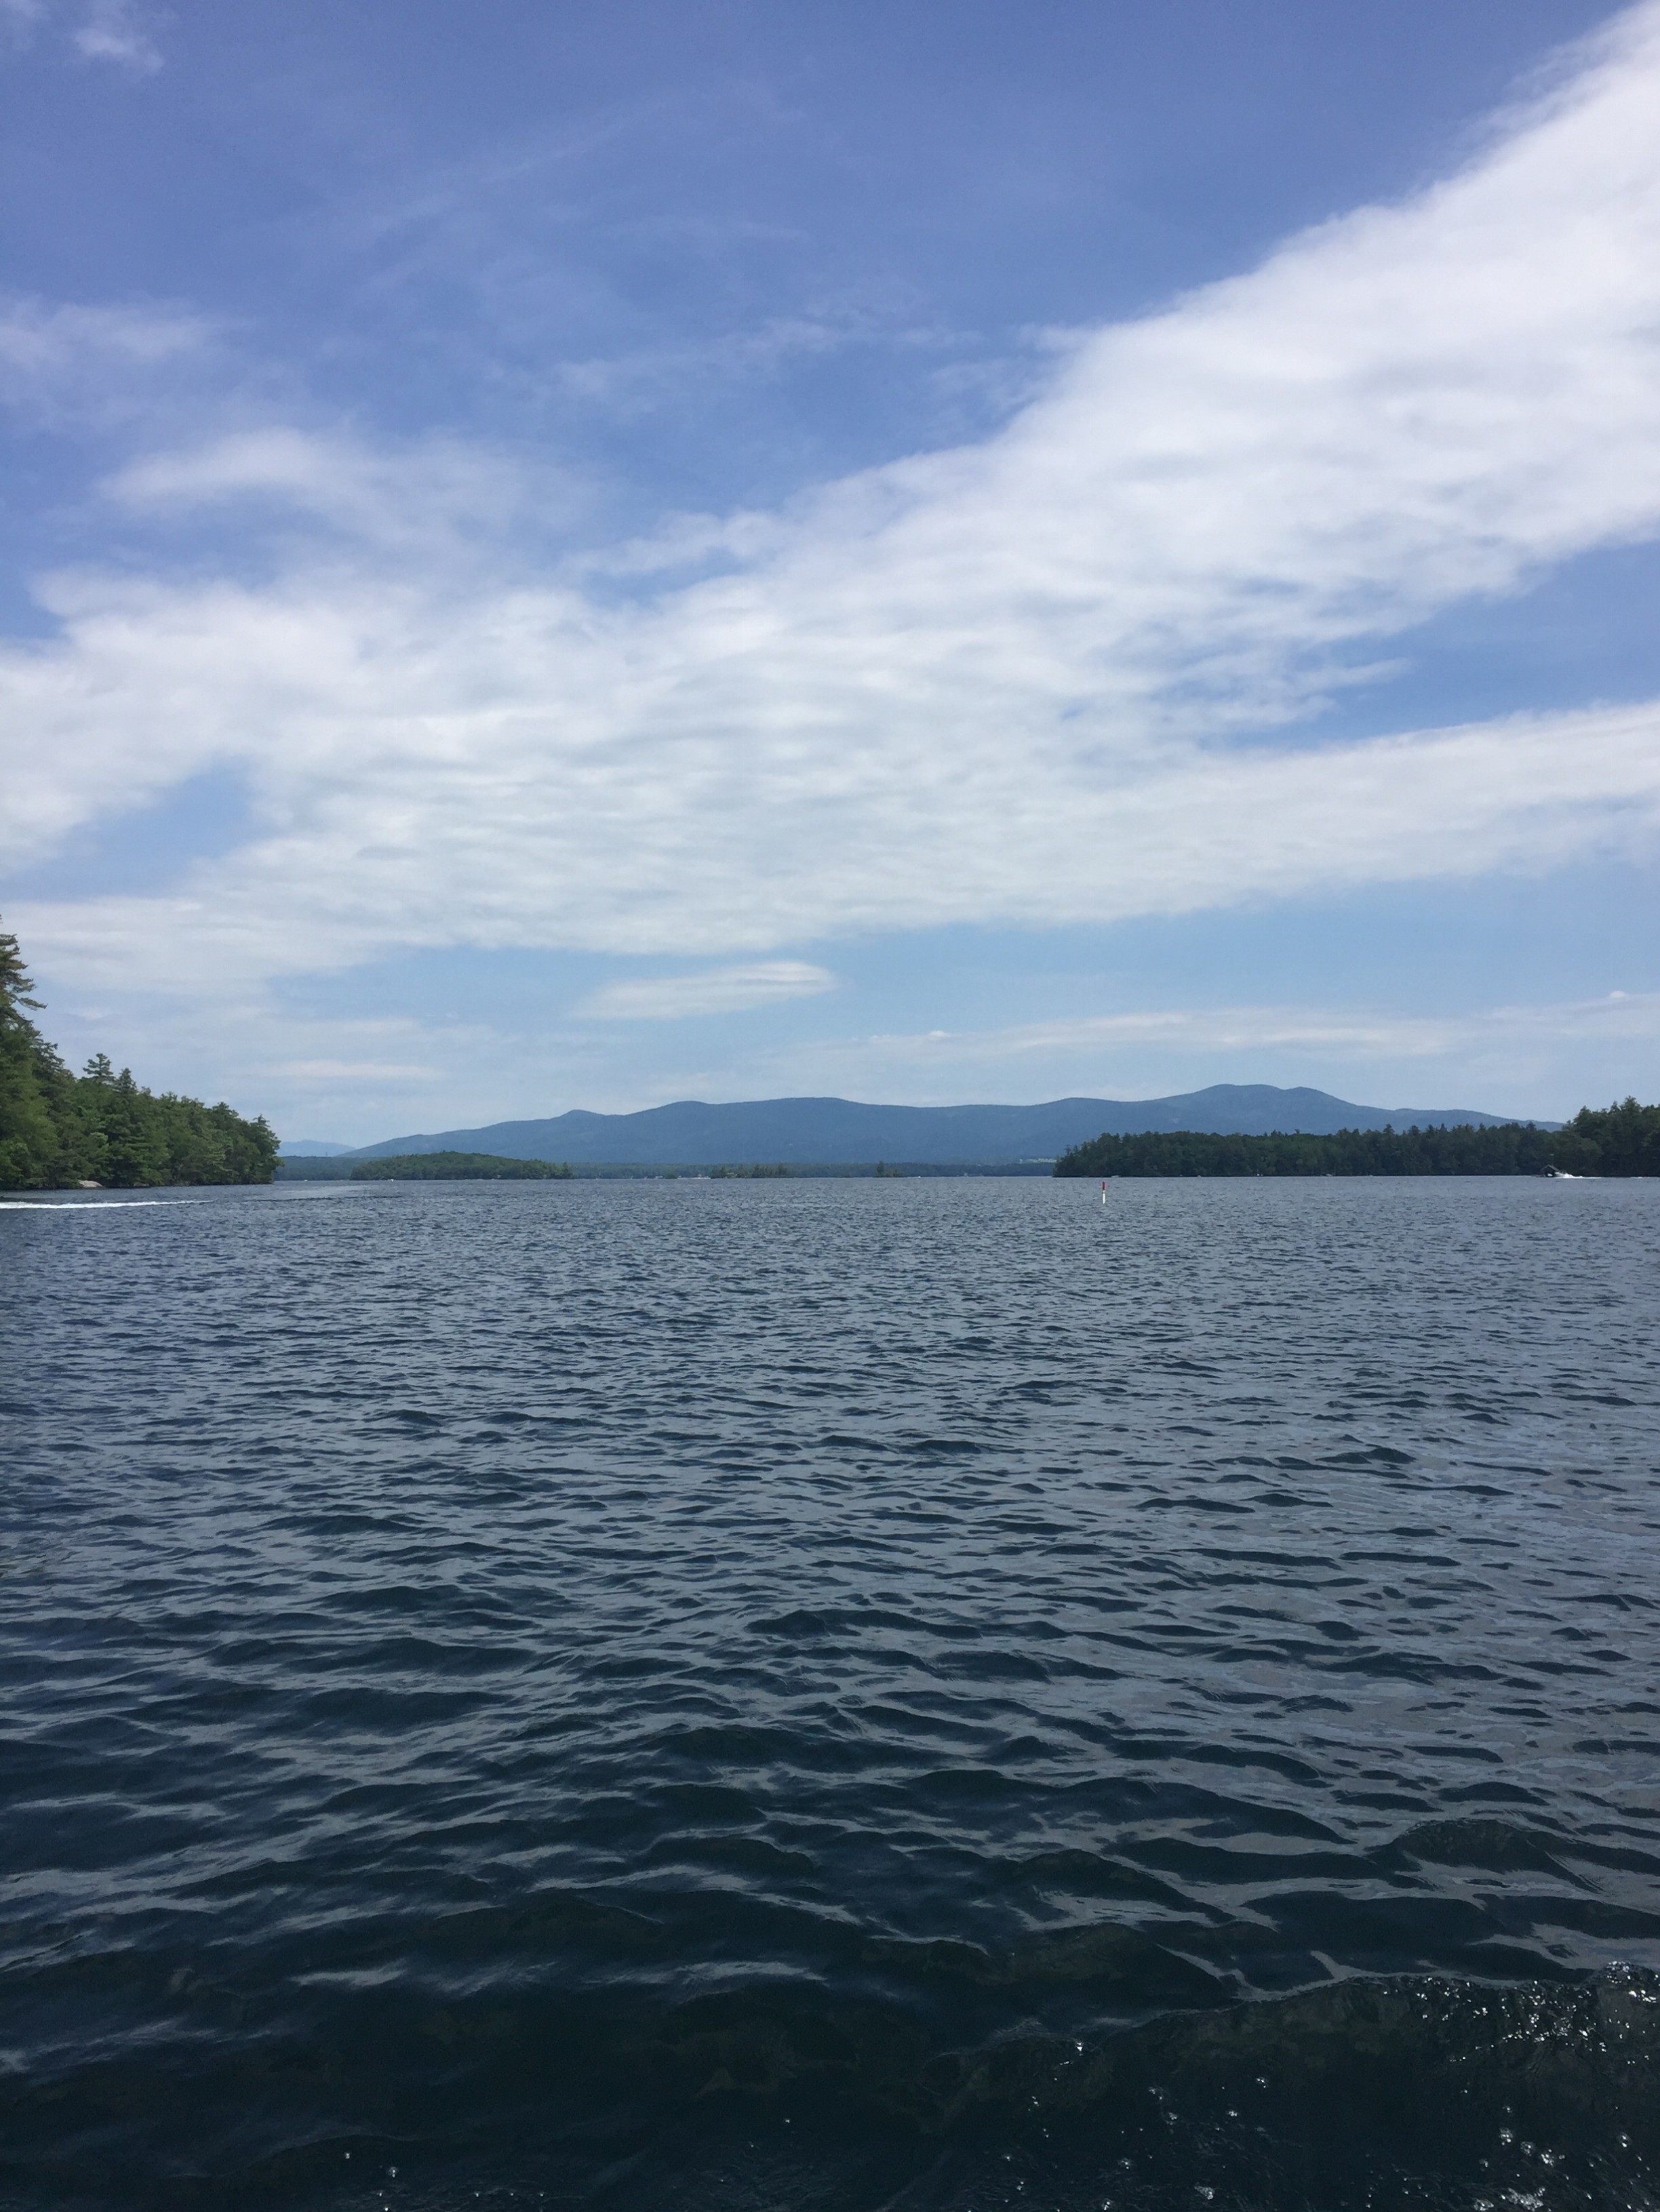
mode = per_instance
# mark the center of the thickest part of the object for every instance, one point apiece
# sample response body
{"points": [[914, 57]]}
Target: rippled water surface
{"points": [[831, 1695]]}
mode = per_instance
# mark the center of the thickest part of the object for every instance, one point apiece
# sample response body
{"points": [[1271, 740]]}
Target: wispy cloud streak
{"points": [[114, 31], [1051, 676], [1360, 1034], [759, 984]]}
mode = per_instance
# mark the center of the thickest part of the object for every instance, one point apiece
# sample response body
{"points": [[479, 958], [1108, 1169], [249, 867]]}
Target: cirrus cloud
{"points": [[710, 991], [1053, 676], [114, 31], [99, 31]]}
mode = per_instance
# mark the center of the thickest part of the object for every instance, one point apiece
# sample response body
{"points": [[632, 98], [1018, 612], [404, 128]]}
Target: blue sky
{"points": [[564, 556]]}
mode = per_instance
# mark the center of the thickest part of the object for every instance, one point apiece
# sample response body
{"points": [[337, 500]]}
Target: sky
{"points": [[571, 556]]}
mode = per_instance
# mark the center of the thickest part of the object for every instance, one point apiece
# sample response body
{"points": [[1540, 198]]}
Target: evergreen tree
{"points": [[56, 1128], [31, 1146], [1623, 1139]]}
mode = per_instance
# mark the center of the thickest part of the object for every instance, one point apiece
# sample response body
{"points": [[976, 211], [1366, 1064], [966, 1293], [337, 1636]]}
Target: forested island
{"points": [[1623, 1139], [455, 1167], [59, 1130]]}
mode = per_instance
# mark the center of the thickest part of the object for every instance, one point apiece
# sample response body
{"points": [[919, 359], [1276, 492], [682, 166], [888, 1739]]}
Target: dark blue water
{"points": [[832, 1695]]}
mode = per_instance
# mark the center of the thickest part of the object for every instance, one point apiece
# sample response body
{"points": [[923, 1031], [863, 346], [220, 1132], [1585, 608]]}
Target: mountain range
{"points": [[800, 1131]]}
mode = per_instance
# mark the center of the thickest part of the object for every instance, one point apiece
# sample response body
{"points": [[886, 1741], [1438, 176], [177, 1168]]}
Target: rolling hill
{"points": [[802, 1130]]}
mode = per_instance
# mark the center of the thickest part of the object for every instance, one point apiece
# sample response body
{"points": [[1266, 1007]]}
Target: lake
{"points": [[831, 1695]]}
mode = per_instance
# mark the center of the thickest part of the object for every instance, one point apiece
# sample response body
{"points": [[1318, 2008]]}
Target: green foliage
{"points": [[58, 1129], [455, 1167], [758, 1173], [1619, 1140], [31, 1144], [1511, 1149]]}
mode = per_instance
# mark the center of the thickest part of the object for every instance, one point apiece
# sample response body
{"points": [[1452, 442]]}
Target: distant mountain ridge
{"points": [[802, 1131]]}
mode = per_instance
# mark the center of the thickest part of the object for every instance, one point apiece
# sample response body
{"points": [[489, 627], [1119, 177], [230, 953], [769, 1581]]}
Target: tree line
{"points": [[455, 1167], [1616, 1140], [58, 1129], [1613, 1140]]}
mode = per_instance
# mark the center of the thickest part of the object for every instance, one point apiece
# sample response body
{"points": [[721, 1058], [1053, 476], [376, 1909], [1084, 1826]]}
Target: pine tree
{"points": [[56, 1128], [31, 1146]]}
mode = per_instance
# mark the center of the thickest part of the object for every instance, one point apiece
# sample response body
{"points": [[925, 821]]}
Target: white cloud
{"points": [[1335, 1034], [356, 1070], [656, 377], [366, 1079], [1543, 1058], [1029, 680], [41, 339], [114, 31], [368, 1076], [416, 502], [103, 31], [712, 991], [63, 363], [442, 839]]}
